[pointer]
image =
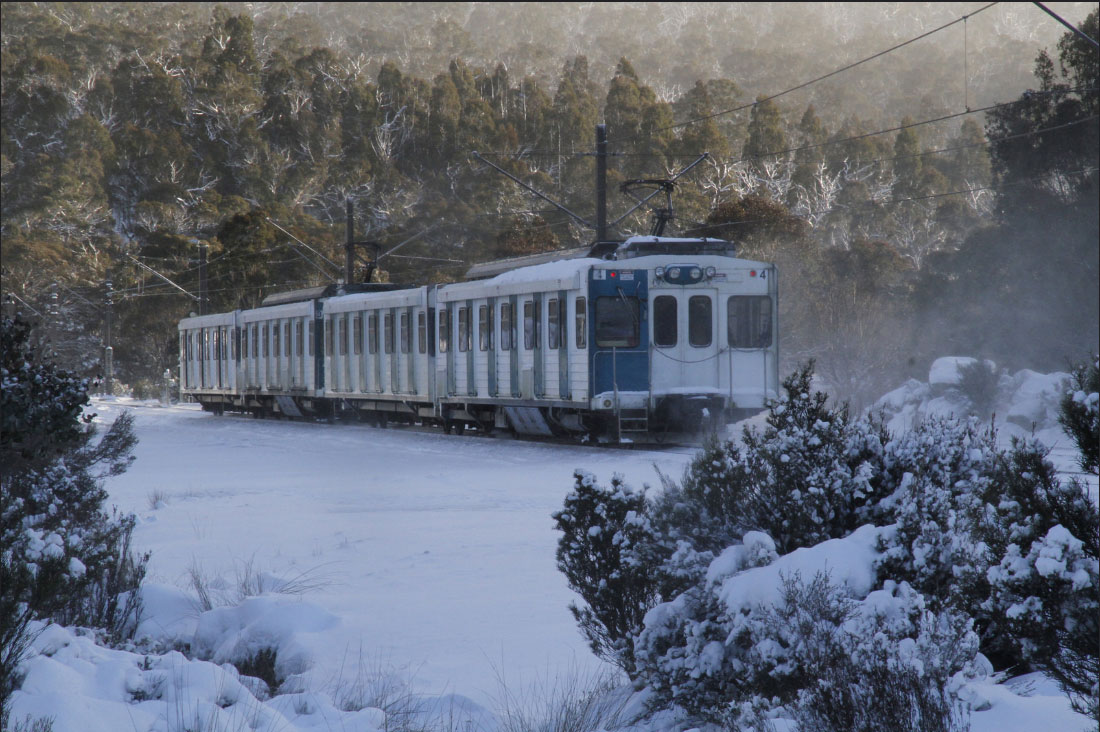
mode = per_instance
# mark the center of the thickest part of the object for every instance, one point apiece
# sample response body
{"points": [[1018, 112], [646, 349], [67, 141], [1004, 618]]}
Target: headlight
{"points": [[711, 271], [674, 273], [696, 273], [659, 272], [606, 403]]}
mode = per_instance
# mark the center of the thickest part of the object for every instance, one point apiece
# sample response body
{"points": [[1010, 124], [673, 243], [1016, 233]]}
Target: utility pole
{"points": [[601, 182], [349, 250], [108, 351], [203, 283]]}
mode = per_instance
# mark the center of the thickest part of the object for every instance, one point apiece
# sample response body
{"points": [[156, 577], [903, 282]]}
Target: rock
{"points": [[945, 372], [1035, 399]]}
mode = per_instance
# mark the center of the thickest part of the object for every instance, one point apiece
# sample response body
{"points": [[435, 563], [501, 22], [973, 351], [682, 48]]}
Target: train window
{"points": [[531, 317], [700, 320], [749, 321], [406, 334], [255, 341], [344, 341], [553, 323], [664, 321], [244, 341], [372, 332], [236, 343], [582, 320], [421, 332], [617, 322], [275, 340], [387, 334], [298, 338], [506, 326], [328, 336], [485, 327], [464, 328], [431, 332], [286, 339], [444, 329], [357, 334], [309, 340]]}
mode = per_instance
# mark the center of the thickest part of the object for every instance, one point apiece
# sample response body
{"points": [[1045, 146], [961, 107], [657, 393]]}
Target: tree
{"points": [[766, 137], [63, 557], [1080, 415], [601, 529]]}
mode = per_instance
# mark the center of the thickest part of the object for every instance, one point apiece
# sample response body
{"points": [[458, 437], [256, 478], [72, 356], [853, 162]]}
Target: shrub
{"points": [[63, 557], [602, 528], [1045, 574], [979, 381], [1080, 414], [941, 472], [812, 474]]}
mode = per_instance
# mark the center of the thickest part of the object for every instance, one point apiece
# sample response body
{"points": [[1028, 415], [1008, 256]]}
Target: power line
{"points": [[1066, 23], [873, 204], [1027, 97], [830, 74]]}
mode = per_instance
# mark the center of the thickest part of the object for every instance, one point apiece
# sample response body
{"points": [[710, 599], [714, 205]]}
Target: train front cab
{"points": [[679, 346]]}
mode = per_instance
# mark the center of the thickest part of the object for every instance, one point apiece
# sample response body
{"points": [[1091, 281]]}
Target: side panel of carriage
{"points": [[378, 346], [277, 350], [208, 356], [512, 340]]}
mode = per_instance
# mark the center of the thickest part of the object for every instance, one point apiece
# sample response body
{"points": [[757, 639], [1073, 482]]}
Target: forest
{"points": [[938, 199]]}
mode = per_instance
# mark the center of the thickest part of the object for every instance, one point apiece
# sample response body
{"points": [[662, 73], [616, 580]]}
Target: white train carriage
{"points": [[208, 356], [659, 335], [378, 350], [512, 350], [277, 365]]}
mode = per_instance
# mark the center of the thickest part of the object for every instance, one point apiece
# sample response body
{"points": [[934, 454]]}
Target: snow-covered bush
{"points": [[895, 665], [62, 556], [603, 530], [1080, 416], [812, 474], [761, 638], [1044, 578], [941, 473], [815, 472]]}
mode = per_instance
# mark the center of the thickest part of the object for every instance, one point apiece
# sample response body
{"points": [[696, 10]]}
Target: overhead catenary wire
{"points": [[1067, 24], [841, 70], [891, 201]]}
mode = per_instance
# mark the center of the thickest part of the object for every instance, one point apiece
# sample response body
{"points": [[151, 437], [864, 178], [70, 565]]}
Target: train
{"points": [[647, 337]]}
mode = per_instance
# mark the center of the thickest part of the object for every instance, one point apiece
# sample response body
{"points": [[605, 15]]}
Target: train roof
{"points": [[643, 246], [314, 293], [499, 266]]}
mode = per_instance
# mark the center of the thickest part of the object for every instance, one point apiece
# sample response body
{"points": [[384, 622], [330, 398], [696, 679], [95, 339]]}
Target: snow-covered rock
{"points": [[946, 372], [1035, 398], [1026, 399]]}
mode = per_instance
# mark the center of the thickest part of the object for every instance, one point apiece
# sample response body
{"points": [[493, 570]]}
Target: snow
{"points": [[560, 270], [848, 562], [407, 560], [946, 371], [431, 556]]}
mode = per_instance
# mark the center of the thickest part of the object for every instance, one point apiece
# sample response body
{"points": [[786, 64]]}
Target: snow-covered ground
{"points": [[415, 555]]}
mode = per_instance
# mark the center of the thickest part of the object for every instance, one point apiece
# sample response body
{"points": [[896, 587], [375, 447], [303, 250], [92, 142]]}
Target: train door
{"points": [[551, 364], [532, 367], [619, 332], [508, 334], [446, 361], [487, 343]]}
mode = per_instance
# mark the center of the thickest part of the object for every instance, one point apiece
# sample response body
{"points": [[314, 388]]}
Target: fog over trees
{"points": [[133, 133]]}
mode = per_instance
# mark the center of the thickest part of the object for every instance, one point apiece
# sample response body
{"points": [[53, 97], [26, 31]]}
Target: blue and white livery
{"points": [[661, 335]]}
